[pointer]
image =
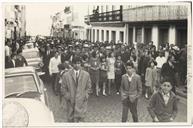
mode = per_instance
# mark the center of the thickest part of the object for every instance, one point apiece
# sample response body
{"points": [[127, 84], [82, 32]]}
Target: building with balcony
{"points": [[141, 24], [105, 23], [15, 21]]}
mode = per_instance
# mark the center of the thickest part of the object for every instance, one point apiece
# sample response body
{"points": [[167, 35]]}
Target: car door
{"points": [[43, 90]]}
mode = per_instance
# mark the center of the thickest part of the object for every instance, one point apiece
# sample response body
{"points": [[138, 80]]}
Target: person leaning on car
{"points": [[75, 88]]}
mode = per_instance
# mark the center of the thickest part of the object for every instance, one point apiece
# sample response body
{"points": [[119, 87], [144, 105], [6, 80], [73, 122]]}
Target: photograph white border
{"points": [[75, 2]]}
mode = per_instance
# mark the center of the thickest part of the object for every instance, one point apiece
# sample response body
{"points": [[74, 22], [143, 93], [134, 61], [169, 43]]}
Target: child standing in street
{"points": [[150, 79], [163, 104]]}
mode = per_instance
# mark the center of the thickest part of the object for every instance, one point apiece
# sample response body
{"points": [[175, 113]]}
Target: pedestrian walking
{"points": [[131, 90], [103, 74], [53, 68], [163, 104], [142, 65], [168, 72], [160, 61], [75, 88], [118, 73], [94, 72], [110, 71]]}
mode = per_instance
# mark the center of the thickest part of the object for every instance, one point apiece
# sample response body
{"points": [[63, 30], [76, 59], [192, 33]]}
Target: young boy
{"points": [[163, 104]]}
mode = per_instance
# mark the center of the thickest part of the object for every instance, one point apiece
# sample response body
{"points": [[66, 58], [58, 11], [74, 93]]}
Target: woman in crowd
{"points": [[103, 74], [150, 79], [118, 72], [94, 72], [110, 70]]}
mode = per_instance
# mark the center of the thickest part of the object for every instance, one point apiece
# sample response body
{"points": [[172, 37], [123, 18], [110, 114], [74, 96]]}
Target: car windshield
{"points": [[31, 54], [19, 84]]}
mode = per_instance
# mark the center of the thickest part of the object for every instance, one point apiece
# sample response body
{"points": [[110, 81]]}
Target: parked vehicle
{"points": [[25, 112], [24, 82], [32, 56]]}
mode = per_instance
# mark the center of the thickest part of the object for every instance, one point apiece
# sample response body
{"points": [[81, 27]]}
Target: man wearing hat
{"points": [[75, 88]]}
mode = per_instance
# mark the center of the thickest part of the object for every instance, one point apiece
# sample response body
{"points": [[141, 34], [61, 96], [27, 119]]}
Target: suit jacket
{"points": [[168, 72], [8, 62], [162, 111], [134, 90], [47, 57], [76, 95]]}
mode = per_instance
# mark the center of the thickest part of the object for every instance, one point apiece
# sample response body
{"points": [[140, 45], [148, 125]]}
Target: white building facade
{"points": [[142, 24], [15, 21]]}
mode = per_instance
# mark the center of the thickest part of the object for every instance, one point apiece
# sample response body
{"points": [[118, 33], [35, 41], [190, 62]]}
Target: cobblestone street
{"points": [[109, 109]]}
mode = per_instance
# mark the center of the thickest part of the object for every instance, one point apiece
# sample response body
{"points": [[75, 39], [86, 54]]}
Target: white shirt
{"points": [[130, 77], [76, 72], [53, 65], [7, 50], [166, 97], [160, 61]]}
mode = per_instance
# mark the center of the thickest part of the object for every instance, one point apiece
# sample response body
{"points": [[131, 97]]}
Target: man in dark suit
{"points": [[46, 60], [131, 90], [168, 71], [21, 61]]}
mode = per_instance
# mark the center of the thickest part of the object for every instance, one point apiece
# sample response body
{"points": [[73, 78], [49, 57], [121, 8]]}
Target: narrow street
{"points": [[131, 48]]}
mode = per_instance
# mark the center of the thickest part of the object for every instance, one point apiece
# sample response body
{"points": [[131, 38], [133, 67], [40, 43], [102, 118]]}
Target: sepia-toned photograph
{"points": [[103, 63]]}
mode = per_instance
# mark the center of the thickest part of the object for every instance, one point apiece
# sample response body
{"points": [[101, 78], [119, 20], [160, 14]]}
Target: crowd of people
{"points": [[105, 62], [13, 54], [108, 62]]}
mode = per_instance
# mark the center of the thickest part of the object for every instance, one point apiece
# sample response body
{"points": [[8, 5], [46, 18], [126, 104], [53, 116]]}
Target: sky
{"points": [[38, 17]]}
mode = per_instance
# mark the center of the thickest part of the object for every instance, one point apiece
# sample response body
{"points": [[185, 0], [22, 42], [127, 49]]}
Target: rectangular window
{"points": [[93, 35], [107, 35], [163, 35], [102, 35], [121, 36], [147, 35], [113, 36], [97, 35], [130, 36], [138, 35]]}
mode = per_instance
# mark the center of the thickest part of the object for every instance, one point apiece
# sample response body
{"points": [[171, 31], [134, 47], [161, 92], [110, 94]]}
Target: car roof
{"points": [[31, 50], [19, 70]]}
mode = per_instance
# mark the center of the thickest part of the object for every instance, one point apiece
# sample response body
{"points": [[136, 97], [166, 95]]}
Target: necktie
{"points": [[77, 78]]}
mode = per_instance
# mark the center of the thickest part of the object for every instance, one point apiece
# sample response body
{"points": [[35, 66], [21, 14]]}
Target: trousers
{"points": [[70, 113], [127, 104]]}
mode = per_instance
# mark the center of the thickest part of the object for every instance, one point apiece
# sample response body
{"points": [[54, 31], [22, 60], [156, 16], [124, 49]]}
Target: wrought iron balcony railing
{"points": [[115, 15]]}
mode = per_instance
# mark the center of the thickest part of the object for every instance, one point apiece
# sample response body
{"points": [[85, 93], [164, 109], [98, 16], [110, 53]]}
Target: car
{"points": [[32, 56], [24, 82], [25, 112], [28, 45]]}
